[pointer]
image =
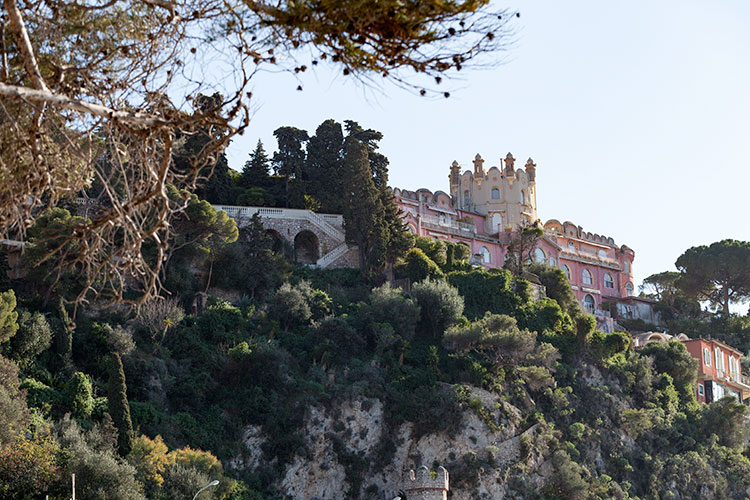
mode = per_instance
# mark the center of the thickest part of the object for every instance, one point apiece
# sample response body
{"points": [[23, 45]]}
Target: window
{"points": [[466, 198], [602, 254], [588, 303], [732, 367], [718, 359], [700, 390], [539, 256], [523, 197], [608, 281], [566, 270], [587, 279], [552, 262], [495, 194], [706, 356], [571, 246], [627, 267], [629, 289], [486, 258]]}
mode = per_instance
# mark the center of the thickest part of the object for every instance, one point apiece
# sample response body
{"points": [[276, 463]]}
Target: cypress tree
{"points": [[325, 167], [363, 210], [118, 405], [289, 160], [64, 337]]}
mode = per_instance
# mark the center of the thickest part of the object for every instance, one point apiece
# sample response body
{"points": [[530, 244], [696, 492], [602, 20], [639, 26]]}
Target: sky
{"points": [[636, 113]]}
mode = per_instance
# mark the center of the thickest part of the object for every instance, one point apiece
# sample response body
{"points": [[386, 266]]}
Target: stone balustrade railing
{"points": [[331, 224]]}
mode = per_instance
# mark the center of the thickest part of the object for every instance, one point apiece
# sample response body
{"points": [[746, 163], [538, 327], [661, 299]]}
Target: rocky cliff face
{"points": [[351, 451]]}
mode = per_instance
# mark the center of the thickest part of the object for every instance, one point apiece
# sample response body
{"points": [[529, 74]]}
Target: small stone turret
{"points": [[422, 486], [531, 170], [510, 171], [455, 173], [478, 165]]}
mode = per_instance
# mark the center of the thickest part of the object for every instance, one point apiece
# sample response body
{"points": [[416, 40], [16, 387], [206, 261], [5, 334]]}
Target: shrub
{"points": [[435, 250], [726, 419], [184, 482], [159, 315], [33, 337], [576, 430], [80, 394], [150, 459], [113, 339], [673, 359], [28, 468], [290, 304], [14, 416], [8, 315], [417, 266], [389, 305], [440, 305], [486, 291], [100, 474]]}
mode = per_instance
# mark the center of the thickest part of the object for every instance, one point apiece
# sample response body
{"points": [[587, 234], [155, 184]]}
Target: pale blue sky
{"points": [[636, 113]]}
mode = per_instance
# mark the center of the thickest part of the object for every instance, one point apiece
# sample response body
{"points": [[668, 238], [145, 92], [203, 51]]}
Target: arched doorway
{"points": [[277, 240], [306, 247]]}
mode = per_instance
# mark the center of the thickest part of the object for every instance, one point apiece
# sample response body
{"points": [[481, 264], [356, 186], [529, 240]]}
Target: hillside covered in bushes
{"points": [[329, 383]]}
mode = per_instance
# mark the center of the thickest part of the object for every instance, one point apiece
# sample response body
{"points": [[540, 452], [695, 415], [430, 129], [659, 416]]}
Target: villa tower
{"points": [[505, 195]]}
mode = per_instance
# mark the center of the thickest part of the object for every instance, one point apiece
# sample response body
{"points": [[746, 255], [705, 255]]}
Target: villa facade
{"points": [[485, 208]]}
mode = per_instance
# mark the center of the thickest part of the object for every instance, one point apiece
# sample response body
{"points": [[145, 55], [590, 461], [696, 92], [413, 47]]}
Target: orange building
{"points": [[719, 370]]}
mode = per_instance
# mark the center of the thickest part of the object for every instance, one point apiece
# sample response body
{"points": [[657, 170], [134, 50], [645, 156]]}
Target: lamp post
{"points": [[212, 483]]}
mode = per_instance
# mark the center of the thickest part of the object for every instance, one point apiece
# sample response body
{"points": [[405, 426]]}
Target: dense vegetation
{"points": [[157, 403], [128, 403]]}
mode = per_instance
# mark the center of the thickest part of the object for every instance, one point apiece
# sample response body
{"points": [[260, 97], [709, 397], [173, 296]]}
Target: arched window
{"points": [[486, 257], [608, 281], [539, 256], [587, 279], [566, 270], [571, 246], [629, 289], [552, 262], [411, 229], [466, 198], [602, 254], [523, 197], [495, 194], [627, 267], [589, 304]]}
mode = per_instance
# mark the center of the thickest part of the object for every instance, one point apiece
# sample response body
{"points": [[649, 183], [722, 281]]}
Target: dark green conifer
{"points": [[119, 408], [256, 171]]}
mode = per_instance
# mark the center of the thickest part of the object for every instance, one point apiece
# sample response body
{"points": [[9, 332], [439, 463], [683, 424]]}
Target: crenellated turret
{"points": [[506, 196], [422, 485]]}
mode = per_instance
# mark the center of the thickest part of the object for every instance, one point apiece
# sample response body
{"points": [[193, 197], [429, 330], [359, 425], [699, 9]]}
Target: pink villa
{"points": [[485, 208]]}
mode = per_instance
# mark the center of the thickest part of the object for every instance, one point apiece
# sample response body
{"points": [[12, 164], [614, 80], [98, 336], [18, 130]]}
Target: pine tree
{"points": [[256, 171], [118, 405]]}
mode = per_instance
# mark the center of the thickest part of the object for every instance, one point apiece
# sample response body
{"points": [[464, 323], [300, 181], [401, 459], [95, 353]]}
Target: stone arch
{"points": [[277, 240], [306, 247]]}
